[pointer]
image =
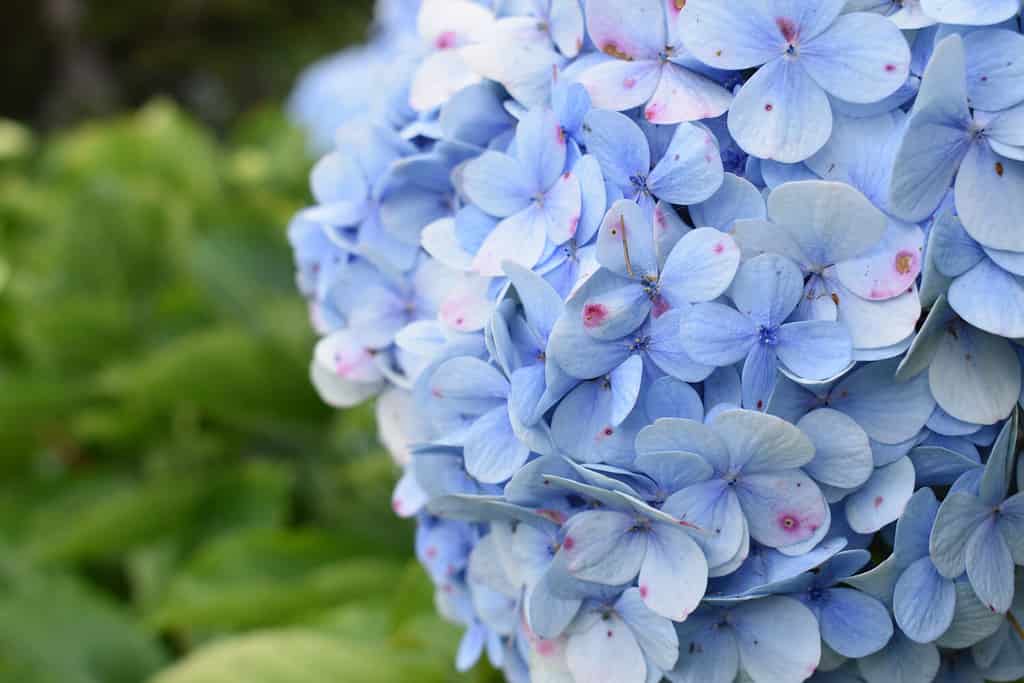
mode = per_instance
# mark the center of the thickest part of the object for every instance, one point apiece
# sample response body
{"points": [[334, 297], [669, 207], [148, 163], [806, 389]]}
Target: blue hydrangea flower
{"points": [[529, 191], [551, 292], [859, 269], [808, 52], [980, 531], [688, 168], [767, 290], [648, 64], [982, 150], [754, 488]]}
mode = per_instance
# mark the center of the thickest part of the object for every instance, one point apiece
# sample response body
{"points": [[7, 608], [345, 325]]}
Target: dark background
{"points": [[68, 59]]}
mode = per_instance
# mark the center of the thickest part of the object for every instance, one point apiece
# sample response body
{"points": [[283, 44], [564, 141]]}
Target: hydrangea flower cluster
{"points": [[694, 326]]}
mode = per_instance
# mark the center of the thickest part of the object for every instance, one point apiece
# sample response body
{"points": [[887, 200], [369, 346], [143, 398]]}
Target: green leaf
{"points": [[262, 578], [56, 630], [298, 656]]}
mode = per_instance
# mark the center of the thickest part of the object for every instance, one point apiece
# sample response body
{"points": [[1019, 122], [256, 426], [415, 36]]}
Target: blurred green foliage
{"points": [[176, 504]]}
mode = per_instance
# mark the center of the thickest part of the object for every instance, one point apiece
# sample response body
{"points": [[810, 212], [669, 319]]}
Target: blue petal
{"points": [[736, 199], [711, 506], [990, 566], [815, 349], [761, 443], [842, 455], [767, 288], [497, 183], [618, 144], [734, 36], [760, 375], [883, 498], [995, 68], [924, 601], [915, 526], [655, 634], [717, 335], [854, 624], [520, 238], [995, 482], [675, 435], [595, 656], [709, 654], [601, 546], [936, 139], [614, 313], [625, 243], [781, 113], [691, 169], [674, 573], [782, 509], [666, 348], [670, 397], [493, 453], [860, 58], [700, 267], [973, 621], [990, 197], [888, 411], [540, 147], [974, 376], [959, 517], [770, 653], [901, 660], [969, 12]]}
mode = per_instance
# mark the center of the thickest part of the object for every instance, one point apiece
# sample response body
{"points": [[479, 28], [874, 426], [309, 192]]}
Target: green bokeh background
{"points": [[176, 505]]}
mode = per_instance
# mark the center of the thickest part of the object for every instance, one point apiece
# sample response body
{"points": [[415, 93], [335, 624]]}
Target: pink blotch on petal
{"points": [[574, 224], [878, 501], [718, 248], [788, 28], [569, 543], [594, 315], [546, 648], [789, 523], [660, 306], [445, 41], [643, 592]]}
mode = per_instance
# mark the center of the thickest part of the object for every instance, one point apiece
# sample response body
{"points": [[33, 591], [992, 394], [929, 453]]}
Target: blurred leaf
{"points": [[288, 574], [55, 630], [75, 528], [296, 656]]}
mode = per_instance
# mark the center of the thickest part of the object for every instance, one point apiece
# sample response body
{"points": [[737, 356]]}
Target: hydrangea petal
{"points": [[842, 455], [691, 169], [924, 601], [674, 573], [990, 197], [781, 113], [854, 624], [700, 267], [592, 660], [684, 95], [619, 85], [734, 36], [883, 498], [781, 508], [860, 58], [772, 654]]}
